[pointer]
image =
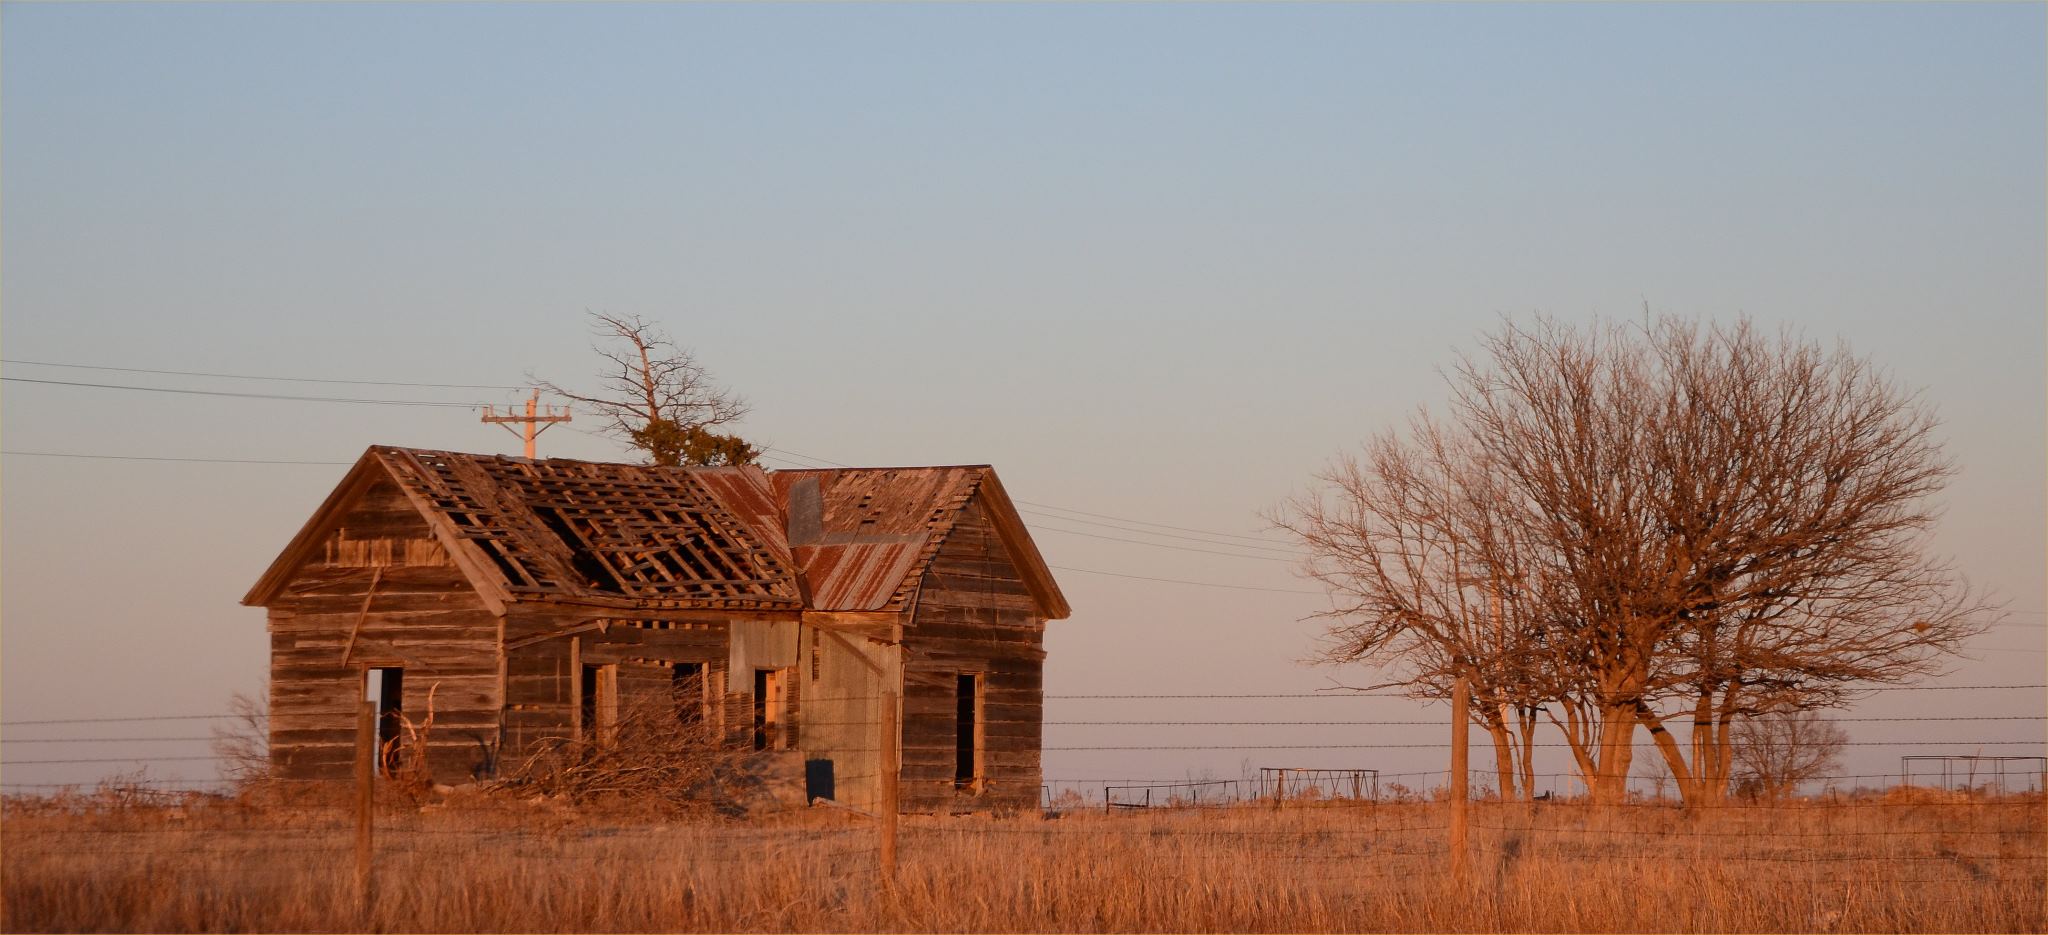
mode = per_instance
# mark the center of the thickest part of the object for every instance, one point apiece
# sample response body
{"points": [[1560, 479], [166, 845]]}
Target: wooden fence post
{"points": [[366, 777], [892, 764], [1459, 777]]}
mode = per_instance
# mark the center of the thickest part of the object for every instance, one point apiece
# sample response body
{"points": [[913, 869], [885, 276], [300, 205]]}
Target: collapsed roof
{"points": [[642, 536]]}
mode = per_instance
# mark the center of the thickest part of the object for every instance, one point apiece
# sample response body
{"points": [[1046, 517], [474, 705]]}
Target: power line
{"points": [[106, 457], [302, 399], [1199, 584], [1432, 724], [1078, 570], [8, 740], [244, 376], [1439, 723], [797, 459], [1163, 535], [1047, 506], [1162, 545], [116, 759], [1086, 571], [1125, 519], [1377, 694], [92, 457], [1440, 745], [783, 451], [823, 461], [1432, 745], [122, 720], [1213, 696]]}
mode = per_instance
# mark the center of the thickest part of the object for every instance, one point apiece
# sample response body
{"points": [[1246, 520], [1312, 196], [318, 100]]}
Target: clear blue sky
{"points": [[1158, 262]]}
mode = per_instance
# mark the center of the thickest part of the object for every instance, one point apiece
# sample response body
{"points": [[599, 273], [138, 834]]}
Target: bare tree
{"points": [[1424, 576], [1670, 513], [1559, 418], [657, 398], [1794, 507], [242, 745], [1738, 522], [1777, 750]]}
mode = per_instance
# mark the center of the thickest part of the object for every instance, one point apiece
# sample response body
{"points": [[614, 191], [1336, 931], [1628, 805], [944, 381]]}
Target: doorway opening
{"points": [[768, 705], [599, 703], [384, 687], [687, 687]]}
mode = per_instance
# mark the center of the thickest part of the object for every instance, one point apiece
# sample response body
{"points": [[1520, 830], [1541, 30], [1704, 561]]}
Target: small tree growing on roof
{"points": [[657, 398]]}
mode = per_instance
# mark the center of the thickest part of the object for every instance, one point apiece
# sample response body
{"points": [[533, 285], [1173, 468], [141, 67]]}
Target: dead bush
{"points": [[652, 758], [242, 745]]}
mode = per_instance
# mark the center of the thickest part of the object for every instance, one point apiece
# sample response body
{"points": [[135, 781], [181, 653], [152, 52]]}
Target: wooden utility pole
{"points": [[1459, 775], [892, 761], [535, 421], [366, 777]]}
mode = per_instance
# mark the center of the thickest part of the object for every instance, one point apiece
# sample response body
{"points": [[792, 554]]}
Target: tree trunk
{"points": [[1704, 753], [1528, 725], [1503, 759], [1716, 790], [1617, 736], [1688, 785], [1578, 737]]}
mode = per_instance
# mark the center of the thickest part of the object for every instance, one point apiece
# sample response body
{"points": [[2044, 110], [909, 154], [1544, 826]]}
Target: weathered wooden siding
{"points": [[765, 644], [422, 616], [542, 678], [973, 616], [845, 672], [503, 682]]}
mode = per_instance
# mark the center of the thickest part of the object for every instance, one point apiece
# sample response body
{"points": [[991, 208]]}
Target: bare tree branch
{"points": [[656, 397], [1618, 520]]}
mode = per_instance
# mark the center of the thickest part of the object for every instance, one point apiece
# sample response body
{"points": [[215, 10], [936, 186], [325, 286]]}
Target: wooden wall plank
{"points": [[974, 615]]}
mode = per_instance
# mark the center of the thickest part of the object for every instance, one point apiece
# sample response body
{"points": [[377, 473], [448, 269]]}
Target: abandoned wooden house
{"points": [[535, 599]]}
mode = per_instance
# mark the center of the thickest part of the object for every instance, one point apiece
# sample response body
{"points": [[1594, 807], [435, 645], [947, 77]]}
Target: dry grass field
{"points": [[107, 863]]}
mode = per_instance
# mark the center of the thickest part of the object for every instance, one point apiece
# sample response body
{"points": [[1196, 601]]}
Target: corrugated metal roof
{"points": [[863, 536], [862, 576], [747, 492]]}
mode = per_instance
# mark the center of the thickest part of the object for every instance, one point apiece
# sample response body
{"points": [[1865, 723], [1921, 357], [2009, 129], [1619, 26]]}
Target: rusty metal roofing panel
{"points": [[856, 576], [748, 494], [897, 515], [883, 501]]}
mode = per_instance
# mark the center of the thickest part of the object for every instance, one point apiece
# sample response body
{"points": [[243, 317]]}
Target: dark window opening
{"points": [[598, 702], [686, 685], [587, 696], [767, 709], [967, 744], [385, 688]]}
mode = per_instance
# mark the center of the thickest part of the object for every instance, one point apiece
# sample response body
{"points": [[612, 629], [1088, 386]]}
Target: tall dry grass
{"points": [[95, 864]]}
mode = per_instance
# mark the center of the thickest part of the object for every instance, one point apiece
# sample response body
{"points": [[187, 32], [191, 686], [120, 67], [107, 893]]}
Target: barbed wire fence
{"points": [[1927, 823]]}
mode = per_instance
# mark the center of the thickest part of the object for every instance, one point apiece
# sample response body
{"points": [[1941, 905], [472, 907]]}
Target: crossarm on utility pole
{"points": [[534, 422]]}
